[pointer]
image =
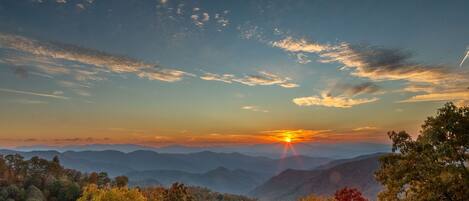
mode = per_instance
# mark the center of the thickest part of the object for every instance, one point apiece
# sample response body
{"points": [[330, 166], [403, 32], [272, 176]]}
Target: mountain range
{"points": [[118, 163], [273, 150], [325, 180], [220, 179], [265, 178]]}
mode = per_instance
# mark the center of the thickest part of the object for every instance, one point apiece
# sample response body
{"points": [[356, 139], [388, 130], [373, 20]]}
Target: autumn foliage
{"points": [[349, 194]]}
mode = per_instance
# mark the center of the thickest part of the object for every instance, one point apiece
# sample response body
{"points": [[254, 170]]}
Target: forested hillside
{"points": [[38, 179]]}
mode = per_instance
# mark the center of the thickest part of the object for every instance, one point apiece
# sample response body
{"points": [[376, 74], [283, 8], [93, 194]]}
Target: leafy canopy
{"points": [[432, 167]]}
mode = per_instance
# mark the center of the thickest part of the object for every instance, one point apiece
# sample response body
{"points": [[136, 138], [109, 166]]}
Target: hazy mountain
{"points": [[89, 147], [220, 179], [117, 163], [346, 160], [291, 184], [274, 150]]}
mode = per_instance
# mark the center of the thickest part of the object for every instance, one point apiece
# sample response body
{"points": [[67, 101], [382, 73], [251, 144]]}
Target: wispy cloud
{"points": [[228, 78], [33, 93], [416, 87], [439, 96], [29, 102], [302, 58], [328, 100], [341, 96], [373, 62], [300, 45], [98, 59], [168, 75], [254, 108], [75, 87], [262, 78], [266, 78], [384, 64], [355, 90], [377, 63], [365, 128]]}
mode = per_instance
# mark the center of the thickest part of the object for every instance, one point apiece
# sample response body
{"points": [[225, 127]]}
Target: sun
{"points": [[287, 139]]}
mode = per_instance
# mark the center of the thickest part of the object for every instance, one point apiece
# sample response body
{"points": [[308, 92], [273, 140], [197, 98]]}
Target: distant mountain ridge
{"points": [[220, 179], [274, 150], [292, 184], [225, 172], [228, 172], [117, 163]]}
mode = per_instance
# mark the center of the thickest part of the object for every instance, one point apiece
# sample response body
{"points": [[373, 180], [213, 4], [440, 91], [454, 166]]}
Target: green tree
{"points": [[121, 181], [34, 194], [432, 167], [103, 179]]}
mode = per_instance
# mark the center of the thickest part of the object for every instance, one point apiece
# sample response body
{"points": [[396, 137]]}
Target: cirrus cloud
{"points": [[328, 100], [95, 58], [300, 45], [254, 108], [439, 83], [262, 78]]}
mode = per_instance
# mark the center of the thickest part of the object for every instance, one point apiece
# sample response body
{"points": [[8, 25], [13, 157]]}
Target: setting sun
{"points": [[287, 139]]}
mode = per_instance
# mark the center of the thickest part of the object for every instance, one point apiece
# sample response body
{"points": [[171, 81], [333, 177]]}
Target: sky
{"points": [[202, 73]]}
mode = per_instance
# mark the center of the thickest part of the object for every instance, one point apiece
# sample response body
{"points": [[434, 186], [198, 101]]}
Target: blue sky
{"points": [[221, 72]]}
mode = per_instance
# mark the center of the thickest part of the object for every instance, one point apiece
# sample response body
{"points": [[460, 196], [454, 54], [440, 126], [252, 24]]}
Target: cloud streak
{"points": [[98, 59], [254, 108], [439, 96], [262, 78], [33, 93], [328, 100], [377, 63], [300, 45], [383, 64], [355, 90]]}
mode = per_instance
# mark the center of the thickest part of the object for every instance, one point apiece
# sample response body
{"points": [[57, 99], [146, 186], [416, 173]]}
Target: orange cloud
{"points": [[440, 96]]}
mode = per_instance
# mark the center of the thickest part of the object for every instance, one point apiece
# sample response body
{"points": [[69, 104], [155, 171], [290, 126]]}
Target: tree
{"points": [[121, 181], [54, 167], [34, 194], [349, 194], [177, 192], [432, 167], [103, 179], [93, 178], [205, 194], [93, 193], [316, 198], [154, 193]]}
